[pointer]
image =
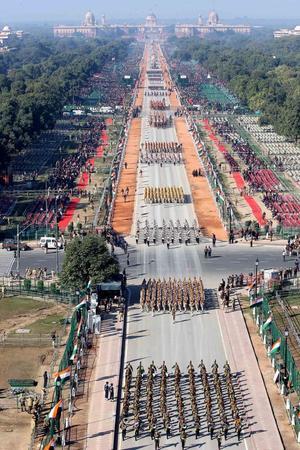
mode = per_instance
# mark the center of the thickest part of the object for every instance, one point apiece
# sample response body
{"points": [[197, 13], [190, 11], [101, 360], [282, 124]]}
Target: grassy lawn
{"points": [[48, 324], [15, 306]]}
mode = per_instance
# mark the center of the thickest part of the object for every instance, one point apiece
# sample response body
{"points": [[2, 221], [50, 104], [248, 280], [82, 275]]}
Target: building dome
{"points": [[89, 19], [213, 18], [151, 20], [200, 20], [6, 29]]}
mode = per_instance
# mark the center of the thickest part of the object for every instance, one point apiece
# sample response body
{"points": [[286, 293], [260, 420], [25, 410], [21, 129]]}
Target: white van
{"points": [[50, 241]]}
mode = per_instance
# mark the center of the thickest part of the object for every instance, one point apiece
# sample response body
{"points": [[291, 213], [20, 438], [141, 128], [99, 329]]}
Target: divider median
{"points": [[124, 206], [204, 204]]}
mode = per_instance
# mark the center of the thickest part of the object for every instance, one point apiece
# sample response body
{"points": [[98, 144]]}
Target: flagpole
{"points": [[286, 335], [256, 267]]}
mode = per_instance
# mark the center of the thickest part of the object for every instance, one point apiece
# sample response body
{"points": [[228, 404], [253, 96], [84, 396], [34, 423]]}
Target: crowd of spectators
{"points": [[226, 130], [285, 208], [45, 210], [109, 87], [67, 169], [6, 206], [195, 77]]}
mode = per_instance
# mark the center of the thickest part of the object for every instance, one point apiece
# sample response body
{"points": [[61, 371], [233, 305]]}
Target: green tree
{"points": [[87, 259]]}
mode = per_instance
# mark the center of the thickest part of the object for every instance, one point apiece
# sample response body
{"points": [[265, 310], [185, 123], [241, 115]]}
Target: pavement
{"points": [[101, 417], [6, 262], [38, 258]]}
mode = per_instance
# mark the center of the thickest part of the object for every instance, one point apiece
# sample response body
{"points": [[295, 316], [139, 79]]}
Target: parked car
{"points": [[11, 245], [50, 241]]}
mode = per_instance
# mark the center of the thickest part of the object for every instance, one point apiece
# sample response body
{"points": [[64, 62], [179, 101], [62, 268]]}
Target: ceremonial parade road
{"points": [[210, 335]]}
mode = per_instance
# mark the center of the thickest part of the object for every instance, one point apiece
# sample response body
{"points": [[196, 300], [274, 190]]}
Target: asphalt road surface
{"points": [[6, 262], [156, 338], [38, 258]]}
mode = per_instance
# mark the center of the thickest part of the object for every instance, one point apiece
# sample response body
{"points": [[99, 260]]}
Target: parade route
{"points": [[209, 335]]}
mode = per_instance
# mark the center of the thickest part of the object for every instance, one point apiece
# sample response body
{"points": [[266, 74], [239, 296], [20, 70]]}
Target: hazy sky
{"points": [[66, 10]]}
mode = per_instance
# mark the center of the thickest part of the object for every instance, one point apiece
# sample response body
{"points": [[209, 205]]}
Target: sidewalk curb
{"points": [[261, 375], [121, 370]]}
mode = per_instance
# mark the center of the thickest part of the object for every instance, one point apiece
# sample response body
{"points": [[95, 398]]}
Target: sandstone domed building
{"points": [[90, 28], [212, 25]]}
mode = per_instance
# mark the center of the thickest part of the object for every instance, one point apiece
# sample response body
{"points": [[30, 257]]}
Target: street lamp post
{"points": [[18, 249], [56, 233], [18, 246], [286, 335], [256, 268], [58, 387], [229, 215], [47, 197]]}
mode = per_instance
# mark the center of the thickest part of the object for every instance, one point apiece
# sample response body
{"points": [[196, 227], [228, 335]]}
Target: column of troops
{"points": [[159, 105], [160, 120], [173, 194], [161, 152], [154, 93], [220, 388], [172, 295], [168, 233], [220, 400]]}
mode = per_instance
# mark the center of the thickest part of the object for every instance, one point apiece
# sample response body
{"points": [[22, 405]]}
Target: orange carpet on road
{"points": [[174, 100], [204, 204], [141, 83], [123, 211]]}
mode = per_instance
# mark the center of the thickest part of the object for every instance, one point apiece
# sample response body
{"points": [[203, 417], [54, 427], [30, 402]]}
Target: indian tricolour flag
{"points": [[256, 302], [81, 304], [54, 411], [79, 327], [50, 444], [63, 374], [275, 347], [220, 197], [74, 352], [267, 323]]}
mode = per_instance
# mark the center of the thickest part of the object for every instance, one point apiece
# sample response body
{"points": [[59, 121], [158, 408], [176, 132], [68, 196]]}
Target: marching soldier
{"points": [[157, 440], [123, 429], [183, 439], [219, 440]]}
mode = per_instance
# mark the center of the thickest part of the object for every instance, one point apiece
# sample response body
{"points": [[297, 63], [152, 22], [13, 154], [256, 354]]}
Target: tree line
{"points": [[263, 73], [39, 78]]}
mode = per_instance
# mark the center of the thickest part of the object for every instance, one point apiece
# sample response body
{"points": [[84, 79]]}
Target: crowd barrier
{"points": [[269, 335], [65, 388]]}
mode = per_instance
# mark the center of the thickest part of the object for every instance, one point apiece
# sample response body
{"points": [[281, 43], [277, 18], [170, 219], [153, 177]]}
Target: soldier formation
{"points": [[173, 194], [156, 93], [142, 413], [169, 233], [159, 105], [160, 153], [172, 295], [160, 120]]}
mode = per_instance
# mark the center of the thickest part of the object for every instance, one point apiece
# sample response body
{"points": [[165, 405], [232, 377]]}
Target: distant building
{"points": [[7, 36], [284, 32], [212, 25], [91, 29]]}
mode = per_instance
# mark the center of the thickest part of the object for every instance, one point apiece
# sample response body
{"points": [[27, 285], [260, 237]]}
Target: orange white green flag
{"points": [[275, 347], [63, 374], [54, 411], [51, 444], [75, 348], [267, 323]]}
